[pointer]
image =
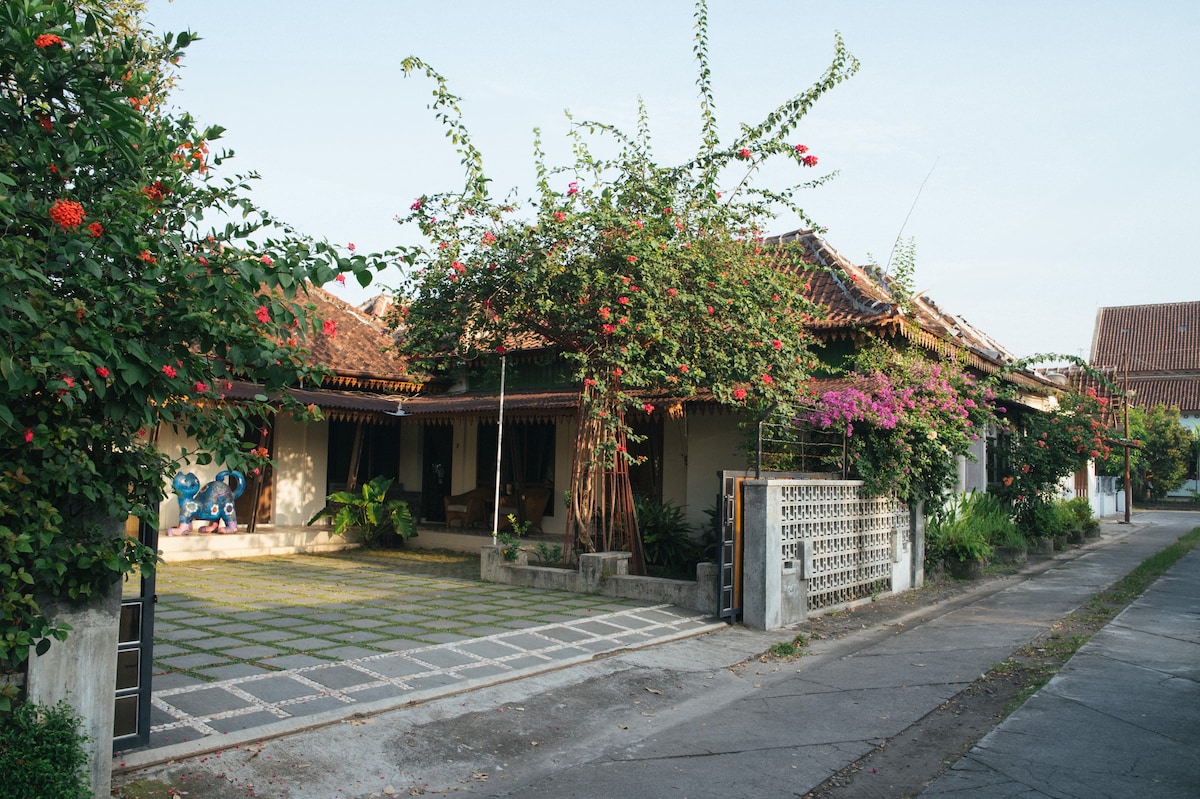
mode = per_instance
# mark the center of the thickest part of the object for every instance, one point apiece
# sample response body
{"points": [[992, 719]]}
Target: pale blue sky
{"points": [[1061, 135]]}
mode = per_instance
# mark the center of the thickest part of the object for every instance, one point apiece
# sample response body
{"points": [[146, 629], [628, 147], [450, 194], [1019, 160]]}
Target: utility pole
{"points": [[1128, 486]]}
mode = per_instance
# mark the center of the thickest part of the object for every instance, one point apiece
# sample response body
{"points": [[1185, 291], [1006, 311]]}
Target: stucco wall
{"points": [[714, 443], [300, 474]]}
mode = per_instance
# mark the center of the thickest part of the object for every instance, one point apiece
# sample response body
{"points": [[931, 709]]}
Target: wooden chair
{"points": [[467, 509], [534, 501]]}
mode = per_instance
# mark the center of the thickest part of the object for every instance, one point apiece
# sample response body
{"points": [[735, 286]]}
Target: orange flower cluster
{"points": [[47, 40], [67, 214]]}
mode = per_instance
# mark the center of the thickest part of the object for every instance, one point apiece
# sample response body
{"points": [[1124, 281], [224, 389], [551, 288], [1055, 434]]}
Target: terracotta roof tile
{"points": [[360, 349], [1161, 338]]}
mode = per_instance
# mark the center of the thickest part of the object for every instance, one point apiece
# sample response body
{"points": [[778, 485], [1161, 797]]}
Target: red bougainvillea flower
{"points": [[605, 312], [683, 367], [155, 191], [28, 435], [801, 148], [45, 121], [266, 259], [666, 212], [777, 344], [572, 188], [47, 40], [340, 279], [416, 206], [67, 214], [618, 372], [169, 370], [500, 349], [145, 255], [201, 387], [711, 310], [744, 153], [96, 229], [263, 314], [767, 379], [637, 223], [631, 259], [608, 329], [623, 300], [559, 216], [350, 246], [1008, 481], [809, 160], [489, 238], [102, 372], [587, 381], [739, 393], [329, 328], [671, 292], [648, 408]]}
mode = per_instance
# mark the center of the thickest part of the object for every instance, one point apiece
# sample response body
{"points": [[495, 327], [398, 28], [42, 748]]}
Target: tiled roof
{"points": [[1163, 338], [1182, 392], [359, 353]]}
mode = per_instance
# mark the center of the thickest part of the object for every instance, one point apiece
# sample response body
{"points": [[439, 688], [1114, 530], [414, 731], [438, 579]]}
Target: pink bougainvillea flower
{"points": [[739, 393], [572, 188], [266, 259], [47, 40], [70, 381], [350, 246], [672, 292], [500, 349], [809, 160], [96, 229], [145, 255], [329, 328], [203, 261], [711, 310], [744, 153], [201, 387], [648, 408], [777, 344], [801, 148], [67, 214], [340, 279], [102, 372], [416, 206], [169, 370], [263, 314], [667, 211], [28, 435]]}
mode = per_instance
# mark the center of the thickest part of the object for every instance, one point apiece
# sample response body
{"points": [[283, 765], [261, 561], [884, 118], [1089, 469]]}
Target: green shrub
{"points": [[42, 754], [668, 541], [959, 530], [370, 512], [1082, 511]]}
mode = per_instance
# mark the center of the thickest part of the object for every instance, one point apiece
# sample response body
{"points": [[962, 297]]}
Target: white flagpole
{"points": [[499, 444]]}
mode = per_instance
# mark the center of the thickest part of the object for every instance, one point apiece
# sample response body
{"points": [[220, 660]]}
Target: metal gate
{"points": [[135, 653], [731, 546]]}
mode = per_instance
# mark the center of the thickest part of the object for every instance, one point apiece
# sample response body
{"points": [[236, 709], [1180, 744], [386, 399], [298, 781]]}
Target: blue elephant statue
{"points": [[213, 503]]}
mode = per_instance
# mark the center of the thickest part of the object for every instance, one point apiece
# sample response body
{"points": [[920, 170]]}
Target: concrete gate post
{"points": [[762, 555]]}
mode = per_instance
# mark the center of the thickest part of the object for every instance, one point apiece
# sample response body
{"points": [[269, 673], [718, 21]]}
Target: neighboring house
{"points": [[438, 437], [1153, 351]]}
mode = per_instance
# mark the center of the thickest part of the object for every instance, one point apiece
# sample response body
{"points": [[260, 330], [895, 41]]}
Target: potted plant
{"points": [[379, 520]]}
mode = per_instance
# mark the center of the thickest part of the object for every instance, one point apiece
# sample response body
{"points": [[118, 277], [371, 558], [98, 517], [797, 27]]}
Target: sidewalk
{"points": [[1121, 719]]}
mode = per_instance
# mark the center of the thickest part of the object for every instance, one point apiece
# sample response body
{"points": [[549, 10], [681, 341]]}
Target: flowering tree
{"points": [[1164, 455], [1049, 446], [122, 309], [652, 279], [907, 418]]}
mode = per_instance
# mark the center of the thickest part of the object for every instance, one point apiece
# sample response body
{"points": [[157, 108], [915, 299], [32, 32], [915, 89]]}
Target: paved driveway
{"points": [[253, 646]]}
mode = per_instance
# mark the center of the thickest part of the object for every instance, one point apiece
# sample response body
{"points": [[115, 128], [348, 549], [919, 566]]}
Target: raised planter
{"points": [[965, 569], [1043, 547], [1010, 554]]}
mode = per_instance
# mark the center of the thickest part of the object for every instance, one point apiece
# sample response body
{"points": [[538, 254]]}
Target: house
{"points": [[1153, 353], [438, 436]]}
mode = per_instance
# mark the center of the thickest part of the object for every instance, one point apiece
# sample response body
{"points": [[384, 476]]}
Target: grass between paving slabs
{"points": [[958, 724], [221, 619]]}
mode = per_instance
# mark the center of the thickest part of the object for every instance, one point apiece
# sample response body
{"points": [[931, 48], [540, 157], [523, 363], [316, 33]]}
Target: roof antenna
{"points": [[921, 188]]}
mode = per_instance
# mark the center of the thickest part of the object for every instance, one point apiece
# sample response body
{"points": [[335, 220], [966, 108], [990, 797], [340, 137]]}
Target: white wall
{"points": [[300, 474], [714, 444]]}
